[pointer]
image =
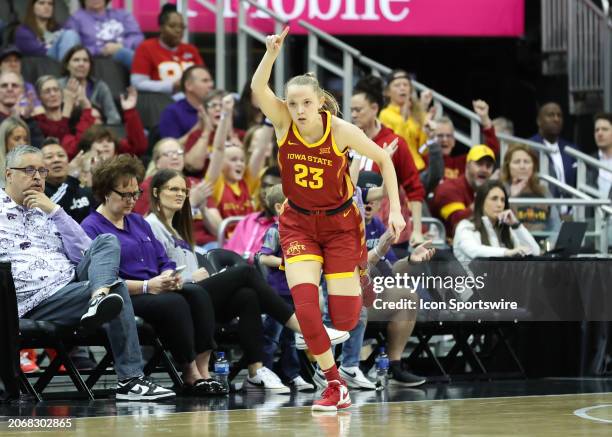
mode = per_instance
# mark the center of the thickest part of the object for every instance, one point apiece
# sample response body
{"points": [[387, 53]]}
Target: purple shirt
{"points": [[373, 232], [271, 246], [114, 25], [142, 255], [177, 119]]}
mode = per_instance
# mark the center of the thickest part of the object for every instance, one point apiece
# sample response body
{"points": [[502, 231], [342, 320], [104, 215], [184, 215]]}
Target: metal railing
{"points": [[583, 161], [554, 26], [217, 9], [602, 209], [244, 55], [589, 52], [542, 150]]}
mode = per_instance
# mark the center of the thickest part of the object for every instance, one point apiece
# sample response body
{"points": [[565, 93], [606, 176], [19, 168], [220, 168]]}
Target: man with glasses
{"points": [[11, 92], [444, 134], [61, 275]]}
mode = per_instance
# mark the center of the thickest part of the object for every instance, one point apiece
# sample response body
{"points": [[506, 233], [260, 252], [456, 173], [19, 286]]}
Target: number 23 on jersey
{"points": [[308, 177]]}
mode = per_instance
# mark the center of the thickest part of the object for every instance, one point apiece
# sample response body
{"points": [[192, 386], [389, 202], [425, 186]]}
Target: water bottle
{"points": [[222, 369], [382, 369]]}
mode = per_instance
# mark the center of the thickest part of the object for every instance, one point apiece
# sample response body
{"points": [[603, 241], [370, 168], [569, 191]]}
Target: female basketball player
{"points": [[320, 226]]}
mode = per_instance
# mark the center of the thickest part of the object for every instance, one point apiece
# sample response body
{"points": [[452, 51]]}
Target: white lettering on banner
{"points": [[315, 12], [313, 8], [385, 9], [298, 9]]}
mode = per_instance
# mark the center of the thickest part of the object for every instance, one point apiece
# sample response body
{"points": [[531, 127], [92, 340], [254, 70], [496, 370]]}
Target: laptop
{"points": [[569, 240]]}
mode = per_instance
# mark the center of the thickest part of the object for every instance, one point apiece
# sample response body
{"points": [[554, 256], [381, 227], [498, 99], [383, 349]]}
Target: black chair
{"points": [[32, 67], [220, 259], [114, 74], [150, 106]]}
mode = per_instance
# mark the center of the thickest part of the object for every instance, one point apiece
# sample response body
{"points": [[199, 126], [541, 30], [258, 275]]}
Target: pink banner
{"points": [[484, 18]]}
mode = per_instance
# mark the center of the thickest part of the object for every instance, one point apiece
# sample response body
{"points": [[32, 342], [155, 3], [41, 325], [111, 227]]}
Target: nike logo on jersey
{"points": [[346, 212]]}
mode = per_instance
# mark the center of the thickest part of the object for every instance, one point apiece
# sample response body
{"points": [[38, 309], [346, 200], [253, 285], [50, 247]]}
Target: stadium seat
{"points": [[113, 74], [150, 106], [32, 67]]}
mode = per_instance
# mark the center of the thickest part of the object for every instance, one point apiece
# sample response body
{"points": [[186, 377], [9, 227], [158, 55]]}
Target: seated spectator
{"points": [[75, 279], [603, 139], [240, 291], [561, 165], [454, 198], [503, 125], [40, 35], [493, 230], [10, 61], [78, 64], [159, 63], [103, 142], [63, 186], [11, 89], [233, 179], [444, 134], [249, 233], [58, 107], [13, 132], [366, 102], [520, 178], [405, 114], [180, 312], [198, 145], [168, 154], [180, 119], [106, 31]]}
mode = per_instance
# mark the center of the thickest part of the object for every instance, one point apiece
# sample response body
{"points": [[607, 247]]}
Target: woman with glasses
{"points": [[181, 313], [58, 108], [160, 62]]}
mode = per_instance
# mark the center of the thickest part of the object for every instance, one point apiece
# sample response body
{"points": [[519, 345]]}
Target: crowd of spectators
{"points": [[125, 227]]}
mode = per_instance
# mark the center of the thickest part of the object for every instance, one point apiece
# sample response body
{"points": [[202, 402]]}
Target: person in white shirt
{"points": [[493, 230]]}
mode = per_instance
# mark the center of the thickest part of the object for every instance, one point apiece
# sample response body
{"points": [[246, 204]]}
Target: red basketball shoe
{"points": [[335, 397]]}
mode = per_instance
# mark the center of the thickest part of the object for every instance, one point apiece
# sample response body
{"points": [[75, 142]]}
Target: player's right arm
{"points": [[273, 107]]}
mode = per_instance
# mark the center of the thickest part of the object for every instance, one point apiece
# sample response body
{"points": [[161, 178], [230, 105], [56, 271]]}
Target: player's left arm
{"points": [[347, 134]]}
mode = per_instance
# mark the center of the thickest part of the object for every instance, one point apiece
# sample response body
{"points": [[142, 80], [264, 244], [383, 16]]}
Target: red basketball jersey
{"points": [[315, 176]]}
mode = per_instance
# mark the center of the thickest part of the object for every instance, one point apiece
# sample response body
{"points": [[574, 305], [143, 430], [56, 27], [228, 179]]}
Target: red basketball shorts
{"points": [[336, 241]]}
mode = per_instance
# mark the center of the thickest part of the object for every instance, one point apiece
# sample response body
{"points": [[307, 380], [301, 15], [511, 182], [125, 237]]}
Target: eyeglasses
{"points": [[51, 90], [211, 105], [6, 85], [173, 154], [177, 190], [30, 171], [442, 136], [127, 196]]}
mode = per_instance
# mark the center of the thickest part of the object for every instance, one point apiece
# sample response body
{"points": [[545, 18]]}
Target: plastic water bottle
{"points": [[382, 369], [222, 369]]}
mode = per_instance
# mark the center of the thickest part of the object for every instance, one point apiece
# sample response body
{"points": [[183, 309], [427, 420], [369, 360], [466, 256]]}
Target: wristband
{"points": [[516, 225], [267, 122], [145, 287]]}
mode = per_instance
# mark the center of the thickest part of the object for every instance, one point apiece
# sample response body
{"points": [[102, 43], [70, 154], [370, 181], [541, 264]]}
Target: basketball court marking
{"points": [[584, 413]]}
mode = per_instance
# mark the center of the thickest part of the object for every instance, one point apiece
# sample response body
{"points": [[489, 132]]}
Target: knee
{"points": [[71, 35], [344, 311], [107, 240], [247, 300]]}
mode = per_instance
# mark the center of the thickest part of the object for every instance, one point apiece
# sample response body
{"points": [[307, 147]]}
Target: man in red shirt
{"points": [[454, 166], [454, 198]]}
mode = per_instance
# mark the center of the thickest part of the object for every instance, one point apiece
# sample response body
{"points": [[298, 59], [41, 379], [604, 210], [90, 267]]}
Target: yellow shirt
{"points": [[410, 130]]}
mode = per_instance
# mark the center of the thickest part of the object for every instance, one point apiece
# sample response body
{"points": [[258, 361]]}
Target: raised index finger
{"points": [[282, 36]]}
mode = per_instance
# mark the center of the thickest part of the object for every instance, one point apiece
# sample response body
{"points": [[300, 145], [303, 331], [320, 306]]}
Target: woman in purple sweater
{"points": [[40, 35], [106, 31]]}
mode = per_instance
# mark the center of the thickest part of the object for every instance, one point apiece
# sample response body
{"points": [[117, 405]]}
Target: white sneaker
{"points": [[335, 336], [355, 378], [102, 308], [319, 379], [300, 385], [142, 389], [267, 380]]}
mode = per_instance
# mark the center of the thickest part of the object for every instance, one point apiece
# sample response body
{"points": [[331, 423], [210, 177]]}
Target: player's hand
{"points": [[396, 224], [274, 43]]}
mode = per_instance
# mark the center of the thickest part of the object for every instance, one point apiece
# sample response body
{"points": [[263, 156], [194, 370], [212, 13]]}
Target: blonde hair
{"points": [[274, 195], [330, 104], [152, 167], [6, 129]]}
